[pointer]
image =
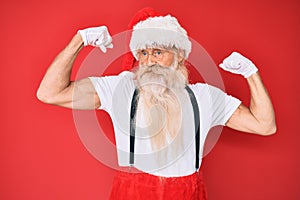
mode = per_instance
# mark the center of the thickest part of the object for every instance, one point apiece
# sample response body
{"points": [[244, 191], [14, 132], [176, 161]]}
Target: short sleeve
{"points": [[222, 106], [107, 85]]}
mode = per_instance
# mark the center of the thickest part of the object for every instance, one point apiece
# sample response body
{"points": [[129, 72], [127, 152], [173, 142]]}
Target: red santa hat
{"points": [[151, 29]]}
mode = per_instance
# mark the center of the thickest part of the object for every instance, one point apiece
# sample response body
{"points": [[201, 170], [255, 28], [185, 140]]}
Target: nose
{"points": [[151, 60]]}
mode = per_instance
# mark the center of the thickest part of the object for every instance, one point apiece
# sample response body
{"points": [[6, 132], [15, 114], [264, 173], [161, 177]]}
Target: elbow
{"points": [[43, 97], [268, 130]]}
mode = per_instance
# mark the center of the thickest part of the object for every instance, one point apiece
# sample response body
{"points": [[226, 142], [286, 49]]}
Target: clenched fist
{"points": [[97, 37], [238, 64]]}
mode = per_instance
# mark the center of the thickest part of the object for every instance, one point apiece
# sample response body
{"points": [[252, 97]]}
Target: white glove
{"points": [[238, 64], [97, 37]]}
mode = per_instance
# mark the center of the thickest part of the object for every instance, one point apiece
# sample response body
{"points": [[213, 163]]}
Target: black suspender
{"points": [[196, 122], [134, 105]]}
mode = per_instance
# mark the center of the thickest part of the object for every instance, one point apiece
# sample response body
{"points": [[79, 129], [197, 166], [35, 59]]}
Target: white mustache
{"points": [[161, 76]]}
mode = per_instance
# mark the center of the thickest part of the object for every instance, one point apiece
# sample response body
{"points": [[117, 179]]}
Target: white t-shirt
{"points": [[215, 107]]}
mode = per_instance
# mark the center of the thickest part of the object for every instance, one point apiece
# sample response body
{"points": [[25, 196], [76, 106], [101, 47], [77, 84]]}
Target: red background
{"points": [[41, 154]]}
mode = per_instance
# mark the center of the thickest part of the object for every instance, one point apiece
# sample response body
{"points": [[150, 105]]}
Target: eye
{"points": [[144, 53], [157, 52]]}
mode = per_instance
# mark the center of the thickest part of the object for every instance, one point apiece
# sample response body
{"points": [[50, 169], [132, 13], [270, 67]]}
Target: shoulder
{"points": [[127, 74], [198, 86], [204, 91], [204, 88], [123, 76]]}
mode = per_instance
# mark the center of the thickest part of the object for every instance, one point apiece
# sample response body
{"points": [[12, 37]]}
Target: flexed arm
{"points": [[56, 87], [259, 118]]}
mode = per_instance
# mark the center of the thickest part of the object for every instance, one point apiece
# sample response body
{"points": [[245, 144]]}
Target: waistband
{"points": [[149, 179]]}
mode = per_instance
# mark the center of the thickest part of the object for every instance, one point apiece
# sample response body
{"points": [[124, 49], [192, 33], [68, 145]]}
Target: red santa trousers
{"points": [[142, 186]]}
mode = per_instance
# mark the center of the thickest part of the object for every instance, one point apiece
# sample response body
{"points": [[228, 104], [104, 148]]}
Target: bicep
{"points": [[80, 95], [243, 120]]}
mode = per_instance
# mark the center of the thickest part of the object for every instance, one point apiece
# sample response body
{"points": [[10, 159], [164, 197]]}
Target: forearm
{"points": [[57, 77], [260, 105]]}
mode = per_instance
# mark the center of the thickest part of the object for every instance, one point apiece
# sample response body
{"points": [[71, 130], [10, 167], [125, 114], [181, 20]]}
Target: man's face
{"points": [[151, 56], [161, 66]]}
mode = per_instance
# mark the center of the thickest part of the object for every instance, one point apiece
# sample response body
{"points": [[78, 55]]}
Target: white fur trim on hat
{"points": [[162, 31]]}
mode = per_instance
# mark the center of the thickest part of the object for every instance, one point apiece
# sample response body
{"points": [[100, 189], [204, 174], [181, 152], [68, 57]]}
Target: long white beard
{"points": [[159, 104]]}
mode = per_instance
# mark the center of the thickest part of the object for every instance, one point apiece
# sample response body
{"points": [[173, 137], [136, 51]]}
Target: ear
{"points": [[180, 55]]}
